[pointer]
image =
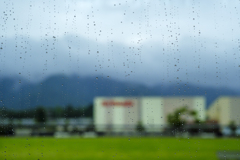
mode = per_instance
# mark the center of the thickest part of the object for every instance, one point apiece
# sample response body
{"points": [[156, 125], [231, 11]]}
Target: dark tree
{"points": [[140, 127], [40, 115], [89, 111], [233, 127], [177, 120], [69, 111]]}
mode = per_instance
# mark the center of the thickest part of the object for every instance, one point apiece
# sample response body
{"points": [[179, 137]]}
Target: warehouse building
{"points": [[123, 114], [225, 110]]}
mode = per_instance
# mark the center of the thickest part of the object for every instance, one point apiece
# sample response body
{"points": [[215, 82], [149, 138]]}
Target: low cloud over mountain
{"points": [[62, 90]]}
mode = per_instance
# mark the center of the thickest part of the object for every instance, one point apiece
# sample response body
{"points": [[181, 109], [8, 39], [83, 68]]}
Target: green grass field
{"points": [[113, 148]]}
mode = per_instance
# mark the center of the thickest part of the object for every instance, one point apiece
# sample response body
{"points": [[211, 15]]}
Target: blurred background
{"points": [[88, 68]]}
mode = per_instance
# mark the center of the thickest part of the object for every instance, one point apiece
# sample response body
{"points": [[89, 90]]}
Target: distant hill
{"points": [[61, 90]]}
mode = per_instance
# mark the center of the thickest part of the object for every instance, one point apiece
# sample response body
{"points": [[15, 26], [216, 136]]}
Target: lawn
{"points": [[113, 148]]}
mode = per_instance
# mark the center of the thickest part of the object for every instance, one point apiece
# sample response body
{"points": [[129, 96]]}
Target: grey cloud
{"points": [[146, 41], [151, 64]]}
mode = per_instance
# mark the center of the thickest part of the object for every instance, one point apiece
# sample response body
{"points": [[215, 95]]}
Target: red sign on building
{"points": [[111, 103]]}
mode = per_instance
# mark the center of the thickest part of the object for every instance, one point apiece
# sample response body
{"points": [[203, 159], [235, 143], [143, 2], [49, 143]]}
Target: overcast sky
{"points": [[147, 41]]}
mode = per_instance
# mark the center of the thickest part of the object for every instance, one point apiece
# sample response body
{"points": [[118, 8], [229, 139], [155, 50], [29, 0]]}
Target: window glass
{"points": [[128, 79]]}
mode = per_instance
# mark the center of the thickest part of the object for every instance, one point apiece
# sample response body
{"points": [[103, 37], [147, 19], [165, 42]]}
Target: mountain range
{"points": [[60, 90]]}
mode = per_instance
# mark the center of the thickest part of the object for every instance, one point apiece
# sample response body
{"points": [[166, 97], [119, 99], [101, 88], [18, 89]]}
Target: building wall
{"points": [[224, 110], [193, 103], [213, 111], [199, 105], [171, 104], [116, 113], [152, 113], [124, 113], [235, 111]]}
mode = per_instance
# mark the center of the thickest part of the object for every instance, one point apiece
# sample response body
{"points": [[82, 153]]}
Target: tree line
{"points": [[48, 112]]}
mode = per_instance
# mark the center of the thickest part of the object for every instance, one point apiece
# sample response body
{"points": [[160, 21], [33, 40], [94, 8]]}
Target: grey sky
{"points": [[147, 41]]}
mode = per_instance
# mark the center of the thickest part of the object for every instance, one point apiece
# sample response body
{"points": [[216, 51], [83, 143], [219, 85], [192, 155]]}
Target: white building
{"points": [[120, 114], [225, 110]]}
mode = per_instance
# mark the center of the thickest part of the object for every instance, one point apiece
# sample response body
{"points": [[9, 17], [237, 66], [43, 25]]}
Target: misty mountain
{"points": [[78, 91]]}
